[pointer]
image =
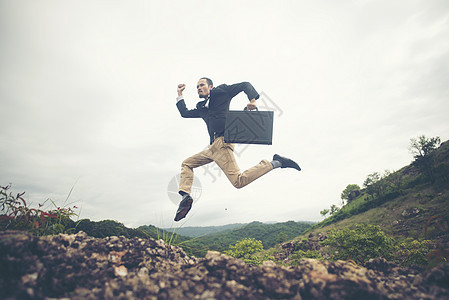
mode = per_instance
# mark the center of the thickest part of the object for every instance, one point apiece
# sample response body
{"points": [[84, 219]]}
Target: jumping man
{"points": [[213, 109]]}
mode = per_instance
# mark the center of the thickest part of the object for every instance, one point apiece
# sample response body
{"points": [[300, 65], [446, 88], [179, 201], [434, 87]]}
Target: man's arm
{"points": [[248, 89], [181, 105], [245, 87]]}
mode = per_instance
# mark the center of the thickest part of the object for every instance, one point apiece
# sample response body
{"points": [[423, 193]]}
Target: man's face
{"points": [[203, 88]]}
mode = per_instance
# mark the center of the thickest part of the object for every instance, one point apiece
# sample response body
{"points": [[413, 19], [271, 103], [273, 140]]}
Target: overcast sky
{"points": [[88, 92]]}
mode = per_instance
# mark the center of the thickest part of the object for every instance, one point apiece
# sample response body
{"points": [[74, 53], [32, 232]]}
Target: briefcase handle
{"points": [[246, 109]]}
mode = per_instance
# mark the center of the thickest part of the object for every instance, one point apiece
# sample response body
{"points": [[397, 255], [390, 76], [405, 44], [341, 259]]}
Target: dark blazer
{"points": [[215, 114]]}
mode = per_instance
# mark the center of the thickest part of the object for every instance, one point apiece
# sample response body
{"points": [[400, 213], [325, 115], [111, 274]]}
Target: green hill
{"points": [[410, 205], [196, 231], [403, 208], [269, 234]]}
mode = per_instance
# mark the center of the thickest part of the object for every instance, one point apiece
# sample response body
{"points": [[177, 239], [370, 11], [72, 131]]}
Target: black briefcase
{"points": [[249, 127]]}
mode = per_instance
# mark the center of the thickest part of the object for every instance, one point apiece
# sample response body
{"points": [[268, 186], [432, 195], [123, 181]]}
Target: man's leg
{"points": [[186, 181], [187, 166], [223, 155]]}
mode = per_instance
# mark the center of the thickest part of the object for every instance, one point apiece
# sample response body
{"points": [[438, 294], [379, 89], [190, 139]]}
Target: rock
{"points": [[82, 267], [438, 276], [380, 264], [410, 212], [353, 194]]}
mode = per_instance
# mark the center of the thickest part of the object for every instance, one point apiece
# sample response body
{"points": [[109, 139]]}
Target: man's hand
{"points": [[181, 88], [251, 105]]}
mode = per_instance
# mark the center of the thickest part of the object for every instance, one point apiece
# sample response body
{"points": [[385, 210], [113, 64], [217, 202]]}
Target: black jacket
{"points": [[215, 114]]}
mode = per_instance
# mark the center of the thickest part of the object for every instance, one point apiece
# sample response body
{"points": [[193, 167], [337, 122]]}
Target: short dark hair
{"points": [[209, 81]]}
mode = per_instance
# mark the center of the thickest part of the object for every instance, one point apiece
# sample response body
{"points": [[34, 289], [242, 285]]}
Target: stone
{"points": [[82, 267]]}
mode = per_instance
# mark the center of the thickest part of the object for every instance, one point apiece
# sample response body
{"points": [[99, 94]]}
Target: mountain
{"points": [[220, 239], [403, 202], [411, 206], [196, 231], [269, 234]]}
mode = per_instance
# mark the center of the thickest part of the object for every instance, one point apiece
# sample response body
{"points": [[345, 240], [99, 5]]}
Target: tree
{"points": [[282, 237], [421, 148], [349, 191], [370, 183], [334, 209], [394, 179], [324, 212]]}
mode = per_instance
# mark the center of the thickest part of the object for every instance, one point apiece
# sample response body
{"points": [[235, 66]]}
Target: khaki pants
{"points": [[223, 155]]}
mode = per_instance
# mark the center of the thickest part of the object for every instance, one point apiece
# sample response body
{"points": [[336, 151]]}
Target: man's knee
{"points": [[186, 163], [238, 184]]}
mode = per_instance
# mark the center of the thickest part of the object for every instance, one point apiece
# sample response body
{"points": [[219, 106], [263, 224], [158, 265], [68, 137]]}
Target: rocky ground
{"points": [[82, 267]]}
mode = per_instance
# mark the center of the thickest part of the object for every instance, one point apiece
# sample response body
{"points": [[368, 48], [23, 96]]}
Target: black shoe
{"points": [[184, 207], [286, 162]]}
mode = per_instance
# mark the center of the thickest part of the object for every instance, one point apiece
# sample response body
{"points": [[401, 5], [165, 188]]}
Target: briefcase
{"points": [[249, 127]]}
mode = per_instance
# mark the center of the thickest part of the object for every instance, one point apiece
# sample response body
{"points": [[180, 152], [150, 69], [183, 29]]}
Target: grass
{"points": [[16, 213]]}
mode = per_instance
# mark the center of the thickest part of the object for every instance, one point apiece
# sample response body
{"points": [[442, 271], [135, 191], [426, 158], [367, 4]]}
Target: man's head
{"points": [[204, 87]]}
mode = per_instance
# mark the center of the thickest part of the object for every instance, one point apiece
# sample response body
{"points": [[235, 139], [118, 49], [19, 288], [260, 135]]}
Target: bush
{"points": [[412, 252], [246, 250], [363, 242], [359, 243]]}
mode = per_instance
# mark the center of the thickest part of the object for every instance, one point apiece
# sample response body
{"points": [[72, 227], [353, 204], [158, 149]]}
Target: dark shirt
{"points": [[215, 113]]}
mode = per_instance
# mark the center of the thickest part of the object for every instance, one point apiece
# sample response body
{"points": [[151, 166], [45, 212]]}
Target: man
{"points": [[213, 109]]}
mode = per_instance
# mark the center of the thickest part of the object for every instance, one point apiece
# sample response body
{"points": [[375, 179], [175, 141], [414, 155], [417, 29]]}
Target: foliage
{"points": [[333, 209], [422, 146], [16, 214], [269, 234], [246, 250], [422, 149], [371, 179], [375, 185], [105, 228], [359, 243], [348, 191], [393, 180], [382, 188], [441, 174], [298, 254], [282, 237], [363, 242], [324, 212], [198, 231], [412, 252]]}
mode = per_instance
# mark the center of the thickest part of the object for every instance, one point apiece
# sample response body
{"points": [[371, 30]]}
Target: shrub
{"points": [[246, 250], [412, 252], [359, 243]]}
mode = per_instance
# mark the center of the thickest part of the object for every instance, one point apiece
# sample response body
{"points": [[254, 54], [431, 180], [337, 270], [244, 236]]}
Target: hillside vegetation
{"points": [[196, 231], [268, 234], [401, 202], [405, 213]]}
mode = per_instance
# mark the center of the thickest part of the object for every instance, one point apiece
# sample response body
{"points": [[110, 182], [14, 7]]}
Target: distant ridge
{"points": [[196, 231]]}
